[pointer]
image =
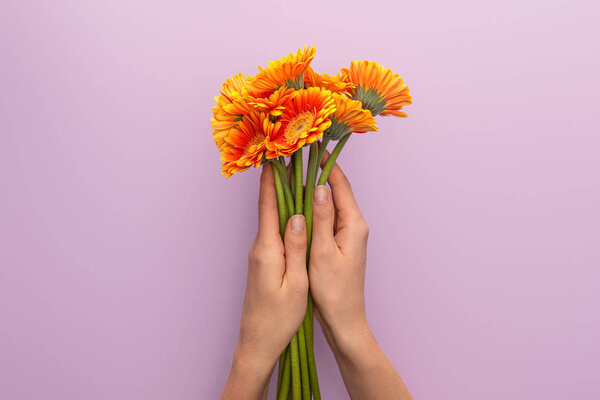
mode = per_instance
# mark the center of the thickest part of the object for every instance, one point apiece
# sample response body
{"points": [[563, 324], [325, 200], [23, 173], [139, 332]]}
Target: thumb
{"points": [[323, 220], [295, 250]]}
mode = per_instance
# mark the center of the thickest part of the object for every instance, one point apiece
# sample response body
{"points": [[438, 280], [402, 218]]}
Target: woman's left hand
{"points": [[276, 295]]}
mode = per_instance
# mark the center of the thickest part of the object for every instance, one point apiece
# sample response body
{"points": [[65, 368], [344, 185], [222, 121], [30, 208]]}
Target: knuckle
{"points": [[262, 249], [255, 257], [267, 247], [260, 252]]}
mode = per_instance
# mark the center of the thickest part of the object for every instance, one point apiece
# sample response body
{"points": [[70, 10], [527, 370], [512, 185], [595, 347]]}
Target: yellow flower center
{"points": [[299, 126]]}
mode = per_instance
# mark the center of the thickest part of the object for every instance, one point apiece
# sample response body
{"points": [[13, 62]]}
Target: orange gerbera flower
{"points": [[273, 104], [231, 105], [231, 88], [378, 88], [325, 81], [245, 144], [349, 116], [221, 123], [288, 71], [303, 121]]}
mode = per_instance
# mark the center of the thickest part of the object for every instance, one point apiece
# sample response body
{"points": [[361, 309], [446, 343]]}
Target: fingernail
{"points": [[321, 195], [298, 225]]}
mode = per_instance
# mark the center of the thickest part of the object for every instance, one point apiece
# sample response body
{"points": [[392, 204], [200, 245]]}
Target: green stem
{"points": [[283, 381], [281, 206], [299, 180], [311, 177], [286, 187], [331, 160], [294, 355], [310, 348], [285, 376], [282, 359], [296, 385], [292, 176], [305, 380], [322, 149], [301, 349]]}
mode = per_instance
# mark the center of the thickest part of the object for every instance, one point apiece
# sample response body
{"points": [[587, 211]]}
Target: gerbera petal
{"points": [[275, 103], [325, 81], [289, 70], [349, 116], [378, 88], [245, 144], [303, 121]]}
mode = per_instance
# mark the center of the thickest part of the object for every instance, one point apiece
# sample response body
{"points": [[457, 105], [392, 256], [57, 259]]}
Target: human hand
{"points": [[276, 296], [338, 261]]}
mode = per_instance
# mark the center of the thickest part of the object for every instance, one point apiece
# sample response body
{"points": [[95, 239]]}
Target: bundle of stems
{"points": [[297, 377]]}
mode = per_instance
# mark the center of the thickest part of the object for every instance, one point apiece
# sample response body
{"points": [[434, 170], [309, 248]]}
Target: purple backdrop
{"points": [[123, 249]]}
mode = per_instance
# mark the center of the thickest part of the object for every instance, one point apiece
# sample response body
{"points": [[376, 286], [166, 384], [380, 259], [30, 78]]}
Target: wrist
{"points": [[249, 362], [356, 349], [248, 378], [350, 339]]}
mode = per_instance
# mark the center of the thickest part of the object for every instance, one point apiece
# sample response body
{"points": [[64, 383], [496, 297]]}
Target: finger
{"points": [[323, 220], [343, 197], [326, 155], [268, 217], [295, 250]]}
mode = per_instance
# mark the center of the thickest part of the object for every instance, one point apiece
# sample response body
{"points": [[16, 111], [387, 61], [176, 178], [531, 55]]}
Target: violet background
{"points": [[123, 249]]}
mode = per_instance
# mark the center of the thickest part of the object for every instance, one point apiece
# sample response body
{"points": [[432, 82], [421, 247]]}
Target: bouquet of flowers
{"points": [[270, 118]]}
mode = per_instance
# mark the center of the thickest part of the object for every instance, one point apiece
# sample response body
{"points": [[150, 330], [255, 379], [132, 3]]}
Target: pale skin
{"points": [[276, 295]]}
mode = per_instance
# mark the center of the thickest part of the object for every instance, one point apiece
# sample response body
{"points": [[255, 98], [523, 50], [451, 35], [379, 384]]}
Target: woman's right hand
{"points": [[338, 260], [337, 266]]}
